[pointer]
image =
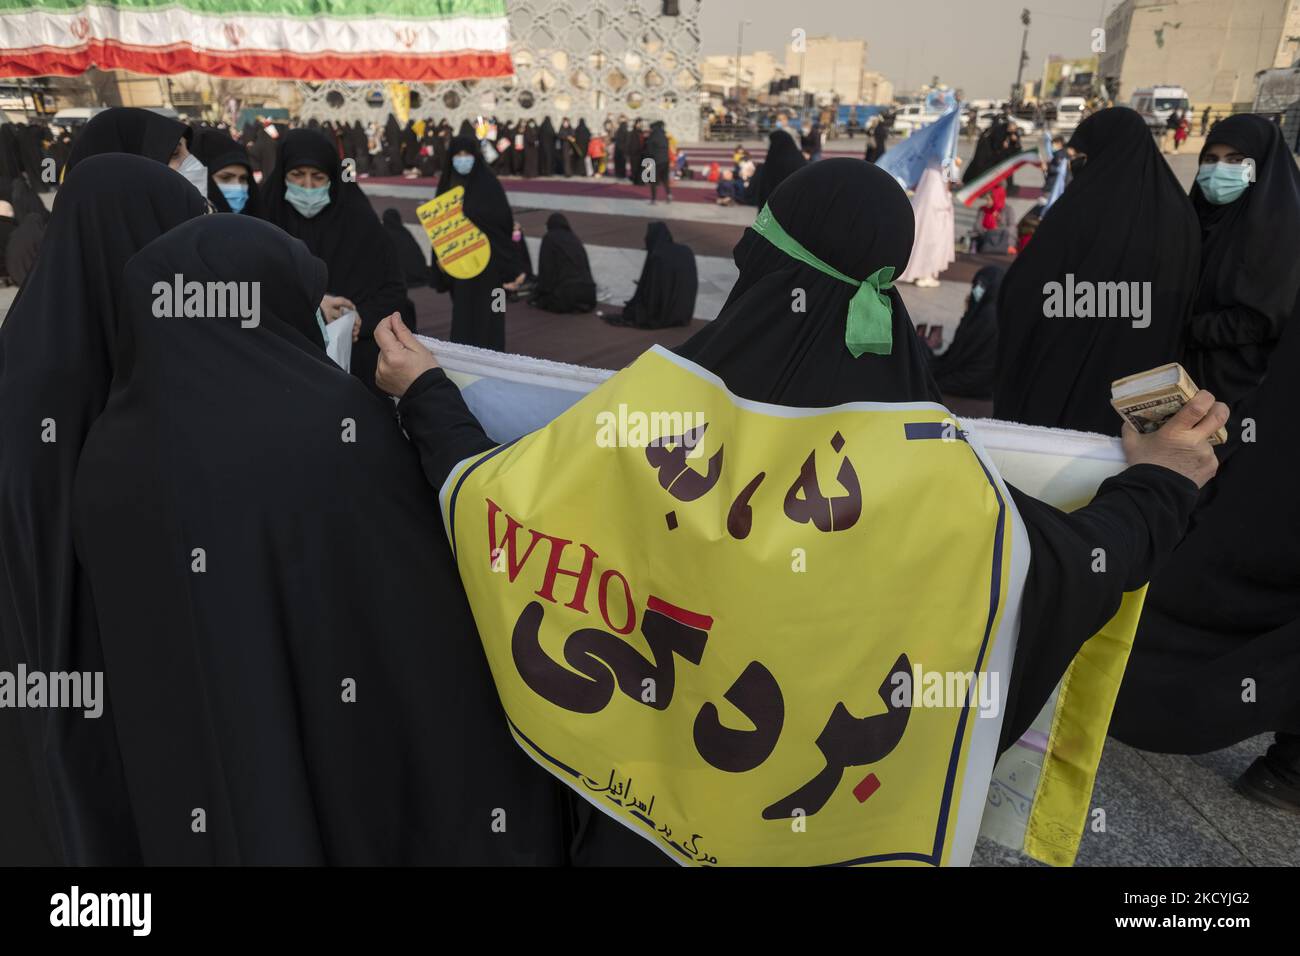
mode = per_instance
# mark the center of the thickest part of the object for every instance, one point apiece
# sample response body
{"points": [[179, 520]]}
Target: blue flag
{"points": [[934, 144], [1058, 184]]}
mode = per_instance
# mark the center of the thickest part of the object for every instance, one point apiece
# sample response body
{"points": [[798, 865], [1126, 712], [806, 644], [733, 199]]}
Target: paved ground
{"points": [[1164, 810], [1160, 810]]}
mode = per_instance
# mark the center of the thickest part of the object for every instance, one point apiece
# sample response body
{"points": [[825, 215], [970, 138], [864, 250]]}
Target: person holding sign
{"points": [[473, 256], [838, 230]]}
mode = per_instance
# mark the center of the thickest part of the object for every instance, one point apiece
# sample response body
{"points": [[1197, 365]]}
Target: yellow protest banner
{"points": [[399, 95], [461, 249], [719, 622]]}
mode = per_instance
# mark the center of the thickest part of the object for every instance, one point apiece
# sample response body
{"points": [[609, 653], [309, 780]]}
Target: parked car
{"points": [[75, 117], [1155, 103], [1069, 113], [908, 119]]}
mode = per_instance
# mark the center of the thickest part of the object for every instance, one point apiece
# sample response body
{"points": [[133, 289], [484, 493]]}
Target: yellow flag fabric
{"points": [[752, 634], [460, 248], [399, 94]]}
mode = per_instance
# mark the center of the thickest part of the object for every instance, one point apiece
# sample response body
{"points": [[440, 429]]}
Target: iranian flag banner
{"points": [[988, 179], [410, 40]]}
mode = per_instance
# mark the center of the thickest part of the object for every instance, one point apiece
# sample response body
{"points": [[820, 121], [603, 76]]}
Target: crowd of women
{"points": [[525, 148], [201, 534]]}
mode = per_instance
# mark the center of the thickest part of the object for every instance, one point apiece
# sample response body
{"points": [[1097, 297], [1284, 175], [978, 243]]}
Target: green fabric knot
{"points": [[871, 315], [869, 327]]}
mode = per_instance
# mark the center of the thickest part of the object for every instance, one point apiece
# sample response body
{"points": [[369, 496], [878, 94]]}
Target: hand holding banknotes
{"points": [[1181, 444], [402, 358]]}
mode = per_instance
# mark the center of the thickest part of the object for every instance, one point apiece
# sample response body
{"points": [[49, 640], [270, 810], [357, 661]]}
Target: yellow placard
{"points": [[461, 249], [399, 95], [714, 620]]}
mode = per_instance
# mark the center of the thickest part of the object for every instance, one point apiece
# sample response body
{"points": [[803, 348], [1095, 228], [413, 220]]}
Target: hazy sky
{"points": [[972, 44]]}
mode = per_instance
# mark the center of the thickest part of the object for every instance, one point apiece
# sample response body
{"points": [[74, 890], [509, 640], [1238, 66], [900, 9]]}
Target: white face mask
{"points": [[195, 172]]}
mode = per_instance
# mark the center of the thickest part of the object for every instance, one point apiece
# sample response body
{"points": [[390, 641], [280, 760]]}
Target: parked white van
{"points": [[1069, 113], [1155, 103]]}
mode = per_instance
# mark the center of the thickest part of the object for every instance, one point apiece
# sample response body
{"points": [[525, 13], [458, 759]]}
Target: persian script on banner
{"points": [[458, 245], [711, 622]]}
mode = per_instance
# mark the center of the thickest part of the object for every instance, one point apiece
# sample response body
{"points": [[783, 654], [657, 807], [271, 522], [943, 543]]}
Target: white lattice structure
{"points": [[584, 59]]}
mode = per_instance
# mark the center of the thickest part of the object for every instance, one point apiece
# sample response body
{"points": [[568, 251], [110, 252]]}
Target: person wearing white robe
{"points": [[933, 248]]}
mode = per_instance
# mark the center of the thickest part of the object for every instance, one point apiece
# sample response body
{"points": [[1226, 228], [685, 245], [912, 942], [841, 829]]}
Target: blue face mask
{"points": [[462, 164], [1223, 183], [976, 292], [308, 202], [236, 195]]}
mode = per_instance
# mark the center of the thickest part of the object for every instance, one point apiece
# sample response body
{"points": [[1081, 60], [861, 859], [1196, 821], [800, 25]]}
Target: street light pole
{"points": [[740, 42], [1017, 92]]}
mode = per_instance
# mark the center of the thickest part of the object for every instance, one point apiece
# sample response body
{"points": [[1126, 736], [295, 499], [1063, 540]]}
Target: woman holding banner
{"points": [[837, 230], [478, 302]]}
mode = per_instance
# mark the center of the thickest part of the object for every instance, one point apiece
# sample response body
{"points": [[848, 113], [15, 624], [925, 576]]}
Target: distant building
{"points": [[831, 68], [757, 70], [835, 70], [876, 90], [1065, 76], [1211, 48]]}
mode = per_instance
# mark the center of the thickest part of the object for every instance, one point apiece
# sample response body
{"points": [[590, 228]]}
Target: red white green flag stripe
{"points": [[411, 40], [991, 177]]}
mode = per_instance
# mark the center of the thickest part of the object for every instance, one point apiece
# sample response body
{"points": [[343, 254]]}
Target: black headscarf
{"points": [[989, 150], [635, 151], [126, 129], [57, 357], [22, 246], [1124, 218], [665, 293], [393, 145], [485, 205], [11, 154], [326, 570], [346, 234], [410, 146], [1250, 250], [564, 282], [854, 217], [968, 367], [783, 158], [546, 141], [1226, 606], [31, 149], [415, 269], [26, 202], [656, 148], [216, 150], [532, 150], [264, 149]]}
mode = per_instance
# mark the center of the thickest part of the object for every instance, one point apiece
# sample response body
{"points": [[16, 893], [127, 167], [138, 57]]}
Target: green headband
{"points": [[870, 322]]}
